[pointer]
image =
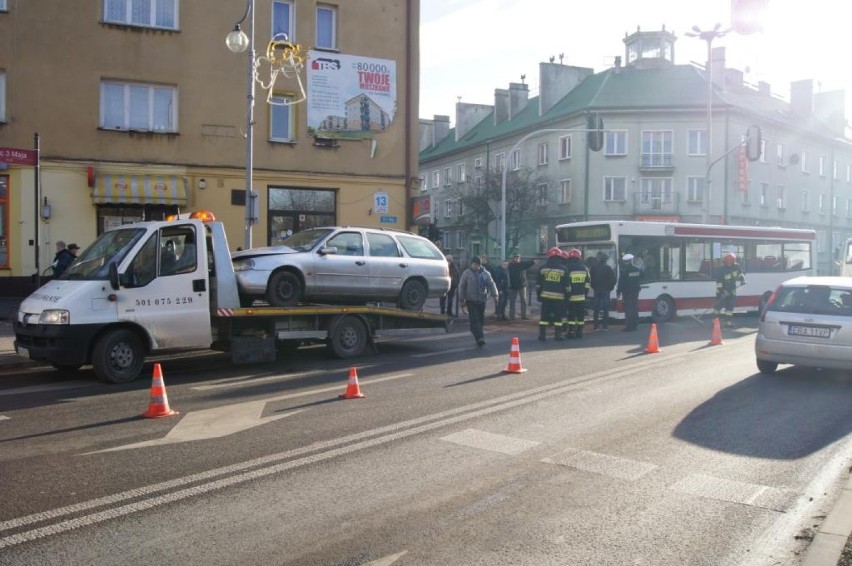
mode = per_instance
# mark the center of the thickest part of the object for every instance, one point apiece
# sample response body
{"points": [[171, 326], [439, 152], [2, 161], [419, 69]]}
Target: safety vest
{"points": [[554, 283]]}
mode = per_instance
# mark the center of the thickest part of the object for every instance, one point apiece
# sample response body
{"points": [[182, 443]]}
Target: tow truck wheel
{"points": [[413, 295], [118, 356], [347, 337], [284, 289]]}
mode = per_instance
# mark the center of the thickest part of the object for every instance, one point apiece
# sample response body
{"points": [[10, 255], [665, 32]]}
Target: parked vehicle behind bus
{"points": [[679, 262]]}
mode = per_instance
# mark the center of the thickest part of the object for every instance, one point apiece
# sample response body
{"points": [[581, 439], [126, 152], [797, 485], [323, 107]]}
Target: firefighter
{"points": [[580, 283], [730, 276], [552, 289]]}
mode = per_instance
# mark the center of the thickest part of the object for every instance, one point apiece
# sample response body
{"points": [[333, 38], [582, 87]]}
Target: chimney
{"points": [[556, 81], [717, 56], [618, 63], [830, 109], [427, 132], [734, 78], [519, 94], [764, 88], [802, 97], [468, 116], [441, 129], [501, 105]]}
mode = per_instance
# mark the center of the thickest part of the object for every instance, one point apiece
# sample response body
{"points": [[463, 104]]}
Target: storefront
{"points": [[124, 199]]}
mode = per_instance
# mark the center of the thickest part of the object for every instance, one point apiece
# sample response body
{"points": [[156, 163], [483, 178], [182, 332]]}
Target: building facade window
{"points": [[281, 119], [326, 26], [499, 159], [3, 6], [565, 147], [448, 176], [821, 201], [695, 189], [515, 160], [542, 153], [460, 173], [696, 142], [779, 154], [764, 194], [477, 163], [834, 206], [2, 95], [477, 180], [137, 106], [615, 142], [292, 210], [762, 157], [565, 191], [656, 194], [803, 159], [436, 179], [448, 208], [4, 220], [541, 190], [615, 189], [806, 201], [151, 13], [821, 166], [283, 20], [657, 149], [781, 198], [745, 194]]}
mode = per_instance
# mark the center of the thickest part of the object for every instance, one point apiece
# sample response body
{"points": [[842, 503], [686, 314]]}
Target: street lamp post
{"points": [[238, 42], [708, 36]]}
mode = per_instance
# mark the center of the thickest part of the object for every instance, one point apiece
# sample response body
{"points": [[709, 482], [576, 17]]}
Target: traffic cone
{"points": [[158, 406], [352, 389], [515, 358], [653, 342], [717, 333]]}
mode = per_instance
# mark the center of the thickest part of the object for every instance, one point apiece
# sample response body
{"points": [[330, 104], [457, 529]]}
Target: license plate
{"points": [[811, 331]]}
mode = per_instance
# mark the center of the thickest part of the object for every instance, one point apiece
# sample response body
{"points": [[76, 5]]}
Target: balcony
{"points": [[656, 162], [654, 202]]}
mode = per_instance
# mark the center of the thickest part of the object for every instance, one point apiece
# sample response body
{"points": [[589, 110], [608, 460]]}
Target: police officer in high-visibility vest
{"points": [[552, 289], [729, 277], [580, 283]]}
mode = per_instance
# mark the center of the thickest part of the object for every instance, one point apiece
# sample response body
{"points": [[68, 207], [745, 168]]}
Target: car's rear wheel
{"points": [[766, 367], [284, 289], [413, 295]]}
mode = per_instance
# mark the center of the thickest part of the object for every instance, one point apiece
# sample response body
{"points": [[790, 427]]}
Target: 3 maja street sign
{"points": [[16, 156]]}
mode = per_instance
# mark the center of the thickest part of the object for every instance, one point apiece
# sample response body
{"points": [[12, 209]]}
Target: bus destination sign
{"points": [[594, 233]]}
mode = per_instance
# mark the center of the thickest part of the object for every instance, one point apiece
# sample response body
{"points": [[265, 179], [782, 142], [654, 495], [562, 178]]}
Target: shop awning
{"points": [[139, 189]]}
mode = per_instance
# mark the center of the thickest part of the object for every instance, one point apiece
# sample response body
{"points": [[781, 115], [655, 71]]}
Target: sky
{"points": [[470, 47]]}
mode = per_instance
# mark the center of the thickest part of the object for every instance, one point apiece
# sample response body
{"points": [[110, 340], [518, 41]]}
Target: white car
{"points": [[347, 265], [807, 322]]}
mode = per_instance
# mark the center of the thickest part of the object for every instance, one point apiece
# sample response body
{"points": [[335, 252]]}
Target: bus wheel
{"points": [[118, 356], [664, 309], [347, 337]]}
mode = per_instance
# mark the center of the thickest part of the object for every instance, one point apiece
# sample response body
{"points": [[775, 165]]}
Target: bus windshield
{"points": [[110, 247]]}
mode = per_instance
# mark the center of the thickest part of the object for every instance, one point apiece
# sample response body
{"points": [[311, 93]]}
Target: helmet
{"points": [[575, 253], [729, 258], [554, 252]]}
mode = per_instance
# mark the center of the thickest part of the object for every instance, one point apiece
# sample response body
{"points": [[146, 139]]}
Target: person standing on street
{"points": [[552, 289], [64, 257], [578, 278], [730, 277], [474, 286], [448, 300], [518, 284], [603, 282], [629, 284], [501, 279]]}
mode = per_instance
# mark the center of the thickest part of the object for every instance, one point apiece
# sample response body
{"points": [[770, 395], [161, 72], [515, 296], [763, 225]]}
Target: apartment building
{"points": [[141, 111], [653, 160]]}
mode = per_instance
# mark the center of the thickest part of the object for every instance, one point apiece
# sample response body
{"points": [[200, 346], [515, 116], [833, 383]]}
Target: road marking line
{"points": [[387, 560], [604, 464], [490, 441], [253, 379], [5, 418], [721, 489], [443, 352], [48, 387]]}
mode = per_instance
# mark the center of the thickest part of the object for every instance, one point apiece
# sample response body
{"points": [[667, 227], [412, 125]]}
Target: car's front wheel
{"points": [[413, 295], [284, 289]]}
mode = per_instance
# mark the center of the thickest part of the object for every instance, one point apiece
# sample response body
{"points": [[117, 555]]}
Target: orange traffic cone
{"points": [[653, 342], [717, 333], [515, 358], [352, 389], [159, 403]]}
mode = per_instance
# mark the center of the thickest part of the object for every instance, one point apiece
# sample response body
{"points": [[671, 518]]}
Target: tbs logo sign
{"points": [[324, 64]]}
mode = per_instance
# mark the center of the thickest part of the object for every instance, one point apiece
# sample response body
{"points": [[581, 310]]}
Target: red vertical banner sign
{"points": [[742, 169]]}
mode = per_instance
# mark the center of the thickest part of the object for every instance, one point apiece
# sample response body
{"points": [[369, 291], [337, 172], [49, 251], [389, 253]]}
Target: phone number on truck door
{"points": [[165, 301]]}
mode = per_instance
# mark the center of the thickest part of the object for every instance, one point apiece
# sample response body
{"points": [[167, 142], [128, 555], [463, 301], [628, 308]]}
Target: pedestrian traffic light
{"points": [[753, 143], [595, 135]]}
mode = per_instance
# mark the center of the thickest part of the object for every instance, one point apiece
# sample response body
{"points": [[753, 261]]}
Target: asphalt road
{"points": [[598, 454]]}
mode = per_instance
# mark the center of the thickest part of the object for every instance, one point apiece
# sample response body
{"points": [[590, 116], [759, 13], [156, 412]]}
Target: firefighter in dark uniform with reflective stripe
{"points": [[552, 289], [580, 283], [730, 276]]}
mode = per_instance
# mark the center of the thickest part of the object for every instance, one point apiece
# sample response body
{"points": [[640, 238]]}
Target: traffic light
{"points": [[747, 15], [595, 135], [753, 143], [434, 233]]}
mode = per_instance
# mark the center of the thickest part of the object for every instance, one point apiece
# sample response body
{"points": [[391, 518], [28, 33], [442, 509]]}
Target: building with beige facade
{"points": [[141, 111]]}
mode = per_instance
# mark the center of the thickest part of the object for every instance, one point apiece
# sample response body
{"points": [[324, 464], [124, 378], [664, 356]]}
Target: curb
{"points": [[830, 540]]}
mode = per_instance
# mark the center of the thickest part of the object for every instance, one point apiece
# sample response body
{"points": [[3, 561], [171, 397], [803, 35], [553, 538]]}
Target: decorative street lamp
{"points": [[708, 36], [238, 42]]}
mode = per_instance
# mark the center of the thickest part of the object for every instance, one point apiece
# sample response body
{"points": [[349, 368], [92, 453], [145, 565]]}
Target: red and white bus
{"points": [[679, 261]]}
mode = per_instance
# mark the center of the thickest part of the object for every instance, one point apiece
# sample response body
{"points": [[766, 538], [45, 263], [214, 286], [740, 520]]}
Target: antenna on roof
{"points": [[561, 55], [522, 78], [552, 58]]}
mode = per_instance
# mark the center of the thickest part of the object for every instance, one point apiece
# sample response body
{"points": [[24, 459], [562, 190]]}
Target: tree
{"points": [[526, 191]]}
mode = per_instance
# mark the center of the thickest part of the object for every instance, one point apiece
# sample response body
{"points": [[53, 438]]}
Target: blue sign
{"points": [[388, 219]]}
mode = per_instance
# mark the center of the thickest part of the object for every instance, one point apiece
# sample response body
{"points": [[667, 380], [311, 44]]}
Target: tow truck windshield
{"points": [[110, 247]]}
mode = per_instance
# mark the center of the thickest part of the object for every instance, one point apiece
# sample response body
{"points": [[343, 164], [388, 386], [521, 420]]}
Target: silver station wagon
{"points": [[807, 322], [343, 265]]}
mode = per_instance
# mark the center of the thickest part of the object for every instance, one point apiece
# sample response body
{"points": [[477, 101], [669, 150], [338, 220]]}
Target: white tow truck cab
{"points": [[165, 286]]}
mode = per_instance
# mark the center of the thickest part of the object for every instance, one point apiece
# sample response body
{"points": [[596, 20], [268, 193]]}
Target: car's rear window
{"points": [[814, 299], [420, 248]]}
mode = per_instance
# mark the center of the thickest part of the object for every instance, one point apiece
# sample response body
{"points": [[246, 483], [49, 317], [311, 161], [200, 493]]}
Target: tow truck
{"points": [[168, 286]]}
